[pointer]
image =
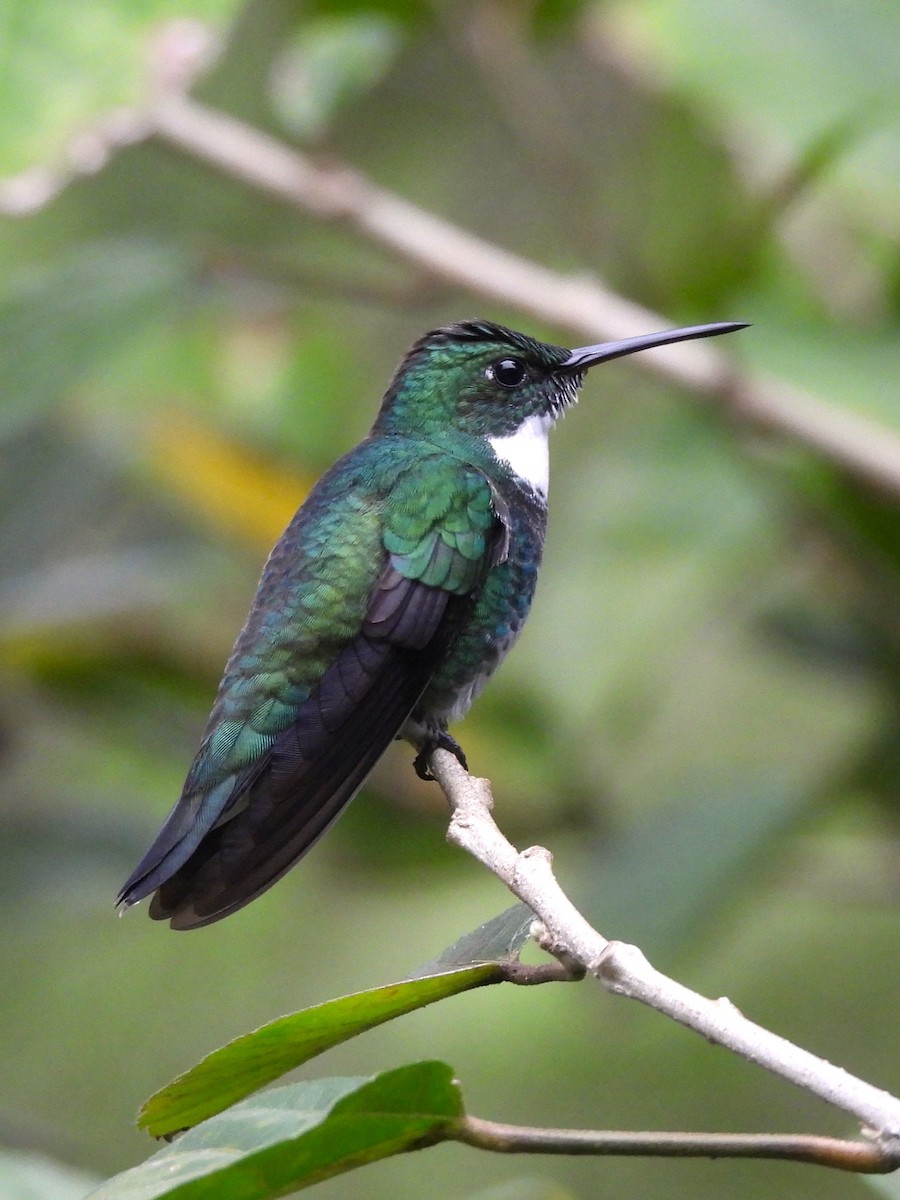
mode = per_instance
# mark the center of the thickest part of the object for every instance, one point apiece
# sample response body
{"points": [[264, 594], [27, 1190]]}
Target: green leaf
{"points": [[255, 1059], [298, 1135], [721, 53], [57, 76], [258, 1058], [497, 940], [331, 61]]}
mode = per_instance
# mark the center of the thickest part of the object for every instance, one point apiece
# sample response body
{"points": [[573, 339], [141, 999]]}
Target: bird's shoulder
{"points": [[405, 509]]}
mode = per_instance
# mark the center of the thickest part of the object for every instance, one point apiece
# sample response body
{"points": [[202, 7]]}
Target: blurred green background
{"points": [[701, 719]]}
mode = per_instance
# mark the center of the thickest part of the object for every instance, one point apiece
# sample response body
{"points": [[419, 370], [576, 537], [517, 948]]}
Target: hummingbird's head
{"points": [[484, 379], [479, 378]]}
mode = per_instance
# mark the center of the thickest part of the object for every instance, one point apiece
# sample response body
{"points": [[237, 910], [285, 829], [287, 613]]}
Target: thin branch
{"points": [[837, 1153], [528, 974], [624, 970], [863, 448]]}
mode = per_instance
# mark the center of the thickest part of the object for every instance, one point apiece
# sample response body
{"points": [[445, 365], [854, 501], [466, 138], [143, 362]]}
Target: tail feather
{"points": [[220, 850], [184, 829], [312, 771]]}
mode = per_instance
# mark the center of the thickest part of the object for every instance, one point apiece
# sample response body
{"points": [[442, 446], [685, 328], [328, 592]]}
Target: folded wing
{"points": [[281, 760]]}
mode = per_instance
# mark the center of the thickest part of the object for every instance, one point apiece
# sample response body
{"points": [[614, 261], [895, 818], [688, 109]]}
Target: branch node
{"points": [[541, 853], [534, 860], [617, 965], [729, 1006], [573, 967], [887, 1140]]}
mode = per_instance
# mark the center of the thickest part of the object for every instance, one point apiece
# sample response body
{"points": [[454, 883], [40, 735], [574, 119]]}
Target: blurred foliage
{"points": [[31, 1175], [701, 719]]}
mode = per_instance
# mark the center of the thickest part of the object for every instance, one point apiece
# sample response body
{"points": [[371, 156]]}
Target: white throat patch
{"points": [[527, 453]]}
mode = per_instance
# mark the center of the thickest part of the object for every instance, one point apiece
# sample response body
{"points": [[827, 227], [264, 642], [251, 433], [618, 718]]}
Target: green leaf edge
{"points": [[254, 1059], [404, 1108]]}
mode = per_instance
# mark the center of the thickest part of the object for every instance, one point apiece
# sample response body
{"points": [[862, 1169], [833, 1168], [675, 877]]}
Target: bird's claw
{"points": [[440, 741]]}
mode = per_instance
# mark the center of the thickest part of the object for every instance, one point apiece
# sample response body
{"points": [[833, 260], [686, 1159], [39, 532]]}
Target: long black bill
{"points": [[589, 356]]}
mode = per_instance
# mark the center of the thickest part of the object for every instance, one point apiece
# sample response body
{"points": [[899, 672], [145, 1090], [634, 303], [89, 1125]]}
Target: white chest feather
{"points": [[527, 453]]}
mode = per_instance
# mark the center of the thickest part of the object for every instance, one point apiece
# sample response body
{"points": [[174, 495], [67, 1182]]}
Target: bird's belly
{"points": [[481, 646], [470, 691]]}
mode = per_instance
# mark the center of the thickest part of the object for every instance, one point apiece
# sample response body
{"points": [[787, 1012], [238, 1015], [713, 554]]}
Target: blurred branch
{"points": [[623, 969], [335, 192], [450, 255]]}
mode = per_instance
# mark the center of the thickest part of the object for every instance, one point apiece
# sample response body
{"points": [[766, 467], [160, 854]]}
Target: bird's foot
{"points": [[438, 741]]}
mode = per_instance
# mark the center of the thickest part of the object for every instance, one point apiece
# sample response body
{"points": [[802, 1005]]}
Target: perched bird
{"points": [[389, 601]]}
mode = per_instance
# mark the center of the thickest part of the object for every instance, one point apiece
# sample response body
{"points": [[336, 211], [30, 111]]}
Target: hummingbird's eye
{"points": [[508, 372]]}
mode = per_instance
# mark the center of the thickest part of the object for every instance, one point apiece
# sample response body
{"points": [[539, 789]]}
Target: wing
{"points": [[353, 616]]}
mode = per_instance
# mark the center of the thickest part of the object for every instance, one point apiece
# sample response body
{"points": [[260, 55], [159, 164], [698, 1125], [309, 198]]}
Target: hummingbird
{"points": [[392, 597]]}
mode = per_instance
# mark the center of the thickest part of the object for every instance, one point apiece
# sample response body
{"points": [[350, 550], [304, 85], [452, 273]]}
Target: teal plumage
{"points": [[392, 596]]}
